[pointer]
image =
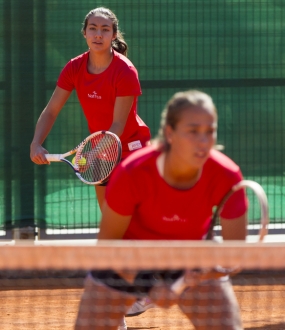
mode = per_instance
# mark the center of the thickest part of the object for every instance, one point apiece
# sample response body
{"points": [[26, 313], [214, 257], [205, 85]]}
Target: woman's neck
{"points": [[175, 174], [99, 62]]}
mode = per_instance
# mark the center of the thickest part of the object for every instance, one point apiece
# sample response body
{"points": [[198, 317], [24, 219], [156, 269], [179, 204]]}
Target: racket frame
{"points": [[77, 151], [262, 198]]}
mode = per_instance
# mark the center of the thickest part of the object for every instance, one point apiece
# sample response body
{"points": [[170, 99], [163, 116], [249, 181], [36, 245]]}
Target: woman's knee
{"points": [[211, 305]]}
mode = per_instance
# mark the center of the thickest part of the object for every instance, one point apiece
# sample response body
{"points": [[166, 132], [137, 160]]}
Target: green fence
{"points": [[233, 49]]}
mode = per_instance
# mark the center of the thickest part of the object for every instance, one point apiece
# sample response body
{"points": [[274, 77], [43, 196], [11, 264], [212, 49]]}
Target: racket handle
{"points": [[179, 285], [194, 277], [54, 157]]}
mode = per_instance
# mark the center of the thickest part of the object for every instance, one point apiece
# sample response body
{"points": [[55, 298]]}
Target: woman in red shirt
{"points": [[107, 87], [167, 191]]}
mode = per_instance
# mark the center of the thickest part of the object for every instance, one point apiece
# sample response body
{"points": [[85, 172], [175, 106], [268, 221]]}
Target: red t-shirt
{"points": [[97, 94], [160, 211]]}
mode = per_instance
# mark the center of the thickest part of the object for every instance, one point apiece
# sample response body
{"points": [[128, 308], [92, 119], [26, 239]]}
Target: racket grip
{"points": [[196, 276], [179, 285], [53, 157]]}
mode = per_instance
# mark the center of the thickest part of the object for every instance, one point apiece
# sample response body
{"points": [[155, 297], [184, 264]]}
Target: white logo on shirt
{"points": [[175, 218], [94, 96], [134, 145]]}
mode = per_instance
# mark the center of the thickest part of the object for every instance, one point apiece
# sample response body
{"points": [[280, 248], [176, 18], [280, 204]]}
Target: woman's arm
{"points": [[122, 109], [113, 225], [45, 123], [234, 229]]}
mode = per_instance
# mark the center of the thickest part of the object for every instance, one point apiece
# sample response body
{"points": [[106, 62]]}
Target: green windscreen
{"points": [[233, 50]]}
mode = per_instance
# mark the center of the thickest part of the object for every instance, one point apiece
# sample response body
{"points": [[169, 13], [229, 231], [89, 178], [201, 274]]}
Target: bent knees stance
{"points": [[212, 305], [101, 307]]}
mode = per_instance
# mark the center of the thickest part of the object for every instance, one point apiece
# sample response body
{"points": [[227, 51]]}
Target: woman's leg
{"points": [[212, 305], [100, 193], [101, 307]]}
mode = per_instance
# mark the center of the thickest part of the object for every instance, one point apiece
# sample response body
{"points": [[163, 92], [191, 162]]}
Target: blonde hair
{"points": [[171, 114]]}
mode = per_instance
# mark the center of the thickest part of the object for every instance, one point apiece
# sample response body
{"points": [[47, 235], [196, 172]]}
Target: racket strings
{"points": [[101, 154]]}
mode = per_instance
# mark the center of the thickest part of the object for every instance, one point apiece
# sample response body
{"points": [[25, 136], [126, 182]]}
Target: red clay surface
{"points": [[262, 307]]}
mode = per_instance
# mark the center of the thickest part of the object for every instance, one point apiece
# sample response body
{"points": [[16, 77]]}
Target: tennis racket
{"points": [[95, 157], [260, 194], [193, 277]]}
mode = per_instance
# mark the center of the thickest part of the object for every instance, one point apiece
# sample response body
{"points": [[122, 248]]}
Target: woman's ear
{"points": [[168, 132]]}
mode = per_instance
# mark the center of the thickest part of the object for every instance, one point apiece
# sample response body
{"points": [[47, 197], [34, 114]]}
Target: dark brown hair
{"points": [[119, 44]]}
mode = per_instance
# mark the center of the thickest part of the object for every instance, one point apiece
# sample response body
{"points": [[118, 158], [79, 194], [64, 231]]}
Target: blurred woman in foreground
{"points": [[167, 192]]}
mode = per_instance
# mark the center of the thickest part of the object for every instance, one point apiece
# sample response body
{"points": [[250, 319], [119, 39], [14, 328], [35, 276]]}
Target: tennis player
{"points": [[167, 191], [107, 87]]}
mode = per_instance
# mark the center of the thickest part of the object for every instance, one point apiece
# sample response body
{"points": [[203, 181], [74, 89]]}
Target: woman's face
{"points": [[99, 33], [194, 136]]}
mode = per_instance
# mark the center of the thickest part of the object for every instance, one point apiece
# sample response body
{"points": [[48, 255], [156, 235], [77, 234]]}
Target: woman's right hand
{"points": [[37, 154], [45, 123]]}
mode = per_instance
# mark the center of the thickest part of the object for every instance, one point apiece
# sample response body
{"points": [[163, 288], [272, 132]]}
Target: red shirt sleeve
{"points": [[237, 203], [65, 79], [120, 194], [128, 83]]}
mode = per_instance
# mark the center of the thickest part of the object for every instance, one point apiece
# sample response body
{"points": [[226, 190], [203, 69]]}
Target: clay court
{"points": [[43, 304]]}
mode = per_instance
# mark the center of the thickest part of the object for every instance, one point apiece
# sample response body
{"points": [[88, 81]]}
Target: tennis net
{"points": [[42, 285]]}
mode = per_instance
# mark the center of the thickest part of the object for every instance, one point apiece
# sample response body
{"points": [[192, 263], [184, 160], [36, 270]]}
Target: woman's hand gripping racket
{"points": [[95, 157], [193, 277]]}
